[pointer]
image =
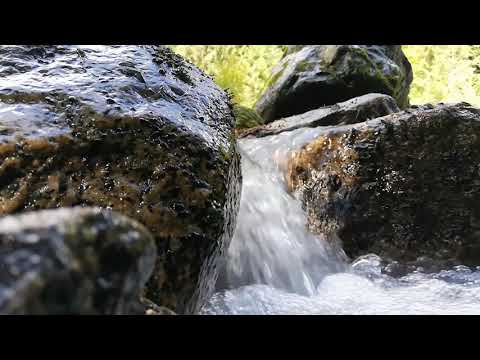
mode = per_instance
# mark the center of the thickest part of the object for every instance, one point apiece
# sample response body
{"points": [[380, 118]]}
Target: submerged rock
{"points": [[404, 186], [320, 75], [73, 261], [353, 111], [136, 129]]}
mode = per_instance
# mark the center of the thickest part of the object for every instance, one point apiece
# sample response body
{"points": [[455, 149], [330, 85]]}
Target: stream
{"points": [[275, 266]]}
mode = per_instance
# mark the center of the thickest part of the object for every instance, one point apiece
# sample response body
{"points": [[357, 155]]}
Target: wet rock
{"points": [[73, 261], [404, 186], [356, 110], [136, 129], [320, 75]]}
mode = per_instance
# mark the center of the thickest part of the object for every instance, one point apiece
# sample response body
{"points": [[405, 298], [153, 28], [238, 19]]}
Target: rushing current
{"points": [[275, 266]]}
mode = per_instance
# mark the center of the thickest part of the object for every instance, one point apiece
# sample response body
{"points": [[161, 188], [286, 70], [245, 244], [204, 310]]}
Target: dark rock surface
{"points": [[403, 186], [73, 261], [136, 129], [318, 75], [353, 111]]}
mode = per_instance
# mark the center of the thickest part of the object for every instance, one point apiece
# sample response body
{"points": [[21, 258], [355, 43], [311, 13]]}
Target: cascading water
{"points": [[275, 266]]}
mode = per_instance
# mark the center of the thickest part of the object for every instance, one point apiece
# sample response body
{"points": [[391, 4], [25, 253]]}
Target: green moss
{"points": [[246, 118]]}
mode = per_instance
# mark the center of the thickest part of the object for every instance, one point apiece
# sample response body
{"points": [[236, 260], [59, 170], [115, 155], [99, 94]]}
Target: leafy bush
{"points": [[242, 69], [442, 73]]}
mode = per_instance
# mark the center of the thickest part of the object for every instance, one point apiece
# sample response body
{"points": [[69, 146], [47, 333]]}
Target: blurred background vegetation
{"points": [[442, 73]]}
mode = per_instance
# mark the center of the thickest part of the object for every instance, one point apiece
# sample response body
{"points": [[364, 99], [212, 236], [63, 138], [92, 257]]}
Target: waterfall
{"points": [[274, 265]]}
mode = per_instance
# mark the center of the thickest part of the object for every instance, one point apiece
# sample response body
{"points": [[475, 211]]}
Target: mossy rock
{"points": [[313, 76], [136, 129]]}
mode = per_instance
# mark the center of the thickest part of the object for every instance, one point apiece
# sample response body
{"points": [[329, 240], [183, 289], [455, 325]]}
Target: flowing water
{"points": [[275, 266]]}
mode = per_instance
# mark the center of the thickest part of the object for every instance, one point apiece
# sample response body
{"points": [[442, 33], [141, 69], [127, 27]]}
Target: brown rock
{"points": [[403, 186]]}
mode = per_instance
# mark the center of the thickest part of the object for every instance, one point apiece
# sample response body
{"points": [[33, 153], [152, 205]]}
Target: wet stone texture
{"points": [[309, 77], [405, 186], [136, 129], [353, 111], [73, 261]]}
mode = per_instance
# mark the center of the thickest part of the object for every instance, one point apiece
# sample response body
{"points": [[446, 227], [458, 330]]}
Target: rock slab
{"points": [[353, 111]]}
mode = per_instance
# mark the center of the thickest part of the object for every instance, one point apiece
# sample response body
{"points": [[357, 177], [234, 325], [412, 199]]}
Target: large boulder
{"points": [[73, 261], [313, 76], [353, 111], [136, 129], [405, 186]]}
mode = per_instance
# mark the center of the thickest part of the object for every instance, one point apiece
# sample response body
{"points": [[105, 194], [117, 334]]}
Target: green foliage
{"points": [[442, 73], [242, 69], [246, 117]]}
